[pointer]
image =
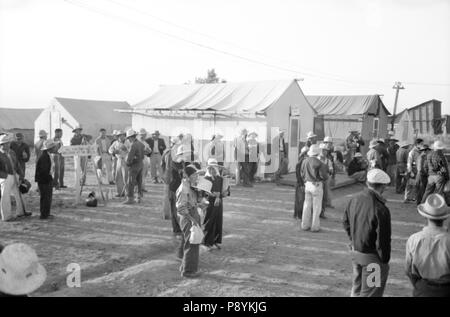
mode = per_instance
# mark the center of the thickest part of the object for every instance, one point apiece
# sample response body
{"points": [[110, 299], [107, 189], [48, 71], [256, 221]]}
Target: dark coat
{"points": [[19, 149], [6, 167], [161, 144], [43, 169], [367, 222], [135, 159]]}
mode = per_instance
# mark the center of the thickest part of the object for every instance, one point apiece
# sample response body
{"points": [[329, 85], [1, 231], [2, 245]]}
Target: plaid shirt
{"points": [[437, 164]]}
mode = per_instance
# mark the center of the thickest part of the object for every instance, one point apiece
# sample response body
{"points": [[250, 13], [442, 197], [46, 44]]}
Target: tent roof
{"points": [[94, 111], [18, 118], [231, 97], [344, 105]]}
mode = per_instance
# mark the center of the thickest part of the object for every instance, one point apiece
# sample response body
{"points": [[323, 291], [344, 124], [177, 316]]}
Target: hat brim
{"points": [[214, 165], [81, 129], [23, 286], [208, 192], [423, 212], [129, 136]]}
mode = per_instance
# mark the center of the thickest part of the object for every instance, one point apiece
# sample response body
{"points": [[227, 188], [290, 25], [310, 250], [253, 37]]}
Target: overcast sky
{"points": [[125, 49]]}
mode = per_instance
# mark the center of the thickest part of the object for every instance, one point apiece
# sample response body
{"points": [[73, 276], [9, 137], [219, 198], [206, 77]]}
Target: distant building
{"points": [[19, 120], [366, 114], [92, 115]]}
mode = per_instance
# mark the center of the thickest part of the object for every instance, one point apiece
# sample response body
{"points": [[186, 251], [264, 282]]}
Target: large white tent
{"points": [[202, 110]]}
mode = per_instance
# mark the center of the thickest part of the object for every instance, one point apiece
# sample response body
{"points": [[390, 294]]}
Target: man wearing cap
{"points": [[119, 150], [437, 170], [10, 176], [373, 156], [402, 162], [357, 169], [428, 251], [22, 151], [314, 173], [422, 172], [58, 179], [135, 163], [367, 222], [44, 178], [103, 145], [158, 146], [40, 143]]}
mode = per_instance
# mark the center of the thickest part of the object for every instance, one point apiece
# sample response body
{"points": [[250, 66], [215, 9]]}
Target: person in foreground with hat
{"points": [[44, 178], [40, 143], [135, 164], [428, 251], [357, 169], [119, 150], [22, 151], [58, 178], [20, 271], [189, 198], [300, 185], [402, 162], [437, 170], [314, 173], [158, 147], [10, 177], [367, 222], [103, 144], [213, 222]]}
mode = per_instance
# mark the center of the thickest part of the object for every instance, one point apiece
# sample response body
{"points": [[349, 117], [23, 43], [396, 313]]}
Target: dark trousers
{"points": [[58, 179], [22, 166], [424, 289], [135, 179], [173, 212], [299, 201], [400, 180], [253, 169], [422, 181], [189, 252], [212, 225], [46, 192], [436, 184], [245, 169]]}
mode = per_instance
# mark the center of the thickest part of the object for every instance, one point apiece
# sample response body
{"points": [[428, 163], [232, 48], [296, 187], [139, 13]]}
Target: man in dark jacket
{"points": [[44, 178], [22, 151], [367, 222], [158, 146], [300, 186], [135, 163], [402, 162], [437, 170]]}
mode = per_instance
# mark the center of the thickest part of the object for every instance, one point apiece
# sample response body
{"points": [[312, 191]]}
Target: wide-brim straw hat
{"points": [[77, 128], [42, 133], [314, 150], [438, 145], [204, 185], [5, 138], [213, 162], [48, 144], [20, 270], [373, 144], [131, 133], [434, 208], [310, 135]]}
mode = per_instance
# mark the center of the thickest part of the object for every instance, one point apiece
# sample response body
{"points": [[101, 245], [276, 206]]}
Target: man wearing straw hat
{"points": [[119, 150], [147, 153], [373, 156], [20, 271], [157, 145], [437, 169], [103, 144], [135, 163], [44, 178], [314, 173], [9, 183], [428, 251], [367, 222]]}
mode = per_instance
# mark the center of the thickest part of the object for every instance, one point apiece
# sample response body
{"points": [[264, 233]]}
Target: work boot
{"points": [[129, 201]]}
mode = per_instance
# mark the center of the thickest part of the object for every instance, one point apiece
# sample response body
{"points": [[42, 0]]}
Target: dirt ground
{"points": [[130, 251]]}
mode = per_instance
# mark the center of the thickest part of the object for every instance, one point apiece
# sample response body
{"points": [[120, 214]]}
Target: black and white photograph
{"points": [[234, 151]]}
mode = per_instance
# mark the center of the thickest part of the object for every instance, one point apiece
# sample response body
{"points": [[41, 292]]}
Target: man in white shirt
{"points": [[103, 144]]}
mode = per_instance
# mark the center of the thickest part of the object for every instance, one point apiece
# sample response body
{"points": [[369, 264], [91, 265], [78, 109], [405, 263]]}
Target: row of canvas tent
{"points": [[202, 110]]}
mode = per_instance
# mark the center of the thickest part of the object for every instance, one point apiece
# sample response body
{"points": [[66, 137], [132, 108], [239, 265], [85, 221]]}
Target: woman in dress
{"points": [[212, 224]]}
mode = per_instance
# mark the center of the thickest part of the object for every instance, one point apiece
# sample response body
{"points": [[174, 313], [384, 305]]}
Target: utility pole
{"points": [[397, 86]]}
